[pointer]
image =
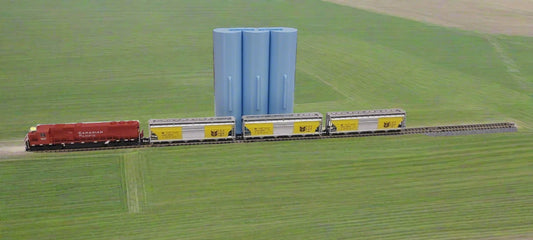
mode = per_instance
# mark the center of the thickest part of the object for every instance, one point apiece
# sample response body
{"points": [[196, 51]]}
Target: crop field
{"points": [[71, 61]]}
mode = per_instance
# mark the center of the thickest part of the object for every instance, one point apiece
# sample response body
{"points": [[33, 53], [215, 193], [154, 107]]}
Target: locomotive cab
{"points": [[36, 137], [30, 136]]}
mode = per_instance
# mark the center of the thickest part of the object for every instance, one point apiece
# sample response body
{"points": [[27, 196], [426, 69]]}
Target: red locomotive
{"points": [[76, 135]]}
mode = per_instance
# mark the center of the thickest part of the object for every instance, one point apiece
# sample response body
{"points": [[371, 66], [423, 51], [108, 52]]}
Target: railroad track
{"points": [[447, 130]]}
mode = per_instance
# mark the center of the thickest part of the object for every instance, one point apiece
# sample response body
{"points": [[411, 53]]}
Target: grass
{"points": [[450, 187], [75, 61]]}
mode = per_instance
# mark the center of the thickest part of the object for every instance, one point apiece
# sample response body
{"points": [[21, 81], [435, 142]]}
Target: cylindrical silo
{"points": [[282, 70], [255, 68], [227, 60]]}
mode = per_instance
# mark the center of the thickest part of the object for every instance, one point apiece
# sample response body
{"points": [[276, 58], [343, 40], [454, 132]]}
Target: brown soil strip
{"points": [[510, 17]]}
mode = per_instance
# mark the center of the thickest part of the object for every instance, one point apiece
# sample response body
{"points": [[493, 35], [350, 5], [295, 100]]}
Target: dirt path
{"points": [[511, 17], [10, 149]]}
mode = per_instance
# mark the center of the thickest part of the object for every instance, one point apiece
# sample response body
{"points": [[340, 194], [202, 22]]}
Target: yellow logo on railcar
{"points": [[217, 131], [167, 133], [390, 122], [306, 127], [346, 125], [257, 129]]}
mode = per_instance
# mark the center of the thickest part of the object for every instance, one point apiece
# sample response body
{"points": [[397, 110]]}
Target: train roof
{"points": [[378, 112], [285, 116], [191, 120], [74, 123]]}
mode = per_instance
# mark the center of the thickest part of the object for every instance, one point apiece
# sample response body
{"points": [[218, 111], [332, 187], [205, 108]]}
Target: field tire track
{"points": [[510, 64], [133, 165], [316, 76]]}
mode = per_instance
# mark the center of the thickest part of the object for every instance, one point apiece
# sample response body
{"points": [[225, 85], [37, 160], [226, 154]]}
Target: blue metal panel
{"points": [[255, 66], [282, 70], [227, 59]]}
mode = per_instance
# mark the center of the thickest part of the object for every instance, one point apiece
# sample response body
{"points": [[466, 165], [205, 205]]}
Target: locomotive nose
{"points": [[28, 136]]}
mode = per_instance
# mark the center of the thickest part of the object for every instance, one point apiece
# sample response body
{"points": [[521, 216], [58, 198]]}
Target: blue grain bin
{"points": [[255, 67], [282, 69], [227, 59]]}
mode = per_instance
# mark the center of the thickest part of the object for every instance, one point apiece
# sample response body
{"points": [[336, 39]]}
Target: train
{"points": [[175, 130]]}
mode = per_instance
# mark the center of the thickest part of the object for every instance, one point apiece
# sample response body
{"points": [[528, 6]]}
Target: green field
{"points": [[70, 61]]}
